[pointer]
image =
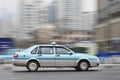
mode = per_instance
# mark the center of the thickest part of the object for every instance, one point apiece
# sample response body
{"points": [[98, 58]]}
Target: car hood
{"points": [[85, 55]]}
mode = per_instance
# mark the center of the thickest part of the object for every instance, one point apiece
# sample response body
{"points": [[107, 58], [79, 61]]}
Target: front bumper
{"points": [[94, 63]]}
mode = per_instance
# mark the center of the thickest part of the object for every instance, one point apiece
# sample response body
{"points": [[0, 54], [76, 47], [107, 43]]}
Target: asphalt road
{"points": [[59, 74]]}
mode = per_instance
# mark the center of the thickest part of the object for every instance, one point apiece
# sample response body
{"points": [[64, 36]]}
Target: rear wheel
{"points": [[32, 66], [83, 66]]}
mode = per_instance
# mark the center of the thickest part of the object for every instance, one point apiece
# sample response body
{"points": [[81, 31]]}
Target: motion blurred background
{"points": [[86, 26]]}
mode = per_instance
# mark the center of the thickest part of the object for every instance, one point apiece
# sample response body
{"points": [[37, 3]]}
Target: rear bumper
{"points": [[19, 62], [1, 61]]}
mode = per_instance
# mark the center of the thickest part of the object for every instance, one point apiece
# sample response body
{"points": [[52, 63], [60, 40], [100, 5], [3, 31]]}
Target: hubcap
{"points": [[83, 65], [32, 66]]}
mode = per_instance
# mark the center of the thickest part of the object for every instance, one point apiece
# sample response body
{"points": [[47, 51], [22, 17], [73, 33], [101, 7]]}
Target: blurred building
{"points": [[89, 20], [67, 36], [44, 34], [68, 14], [108, 28], [52, 12], [71, 22], [48, 33], [6, 24], [32, 13], [88, 47], [43, 14], [71, 16]]}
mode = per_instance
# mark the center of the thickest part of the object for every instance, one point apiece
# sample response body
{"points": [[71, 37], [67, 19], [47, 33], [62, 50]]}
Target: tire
{"points": [[32, 66], [82, 66]]}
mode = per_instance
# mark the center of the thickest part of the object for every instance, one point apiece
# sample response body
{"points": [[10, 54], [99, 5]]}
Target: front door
{"points": [[64, 57]]}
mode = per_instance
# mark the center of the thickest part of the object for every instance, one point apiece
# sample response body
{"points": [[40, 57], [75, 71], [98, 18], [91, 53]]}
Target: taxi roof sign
{"points": [[53, 43]]}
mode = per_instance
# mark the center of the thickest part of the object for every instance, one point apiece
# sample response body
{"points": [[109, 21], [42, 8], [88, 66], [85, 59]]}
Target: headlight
{"points": [[98, 59]]}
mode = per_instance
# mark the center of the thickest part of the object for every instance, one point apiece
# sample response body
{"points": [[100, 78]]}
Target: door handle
{"points": [[39, 54], [57, 55]]}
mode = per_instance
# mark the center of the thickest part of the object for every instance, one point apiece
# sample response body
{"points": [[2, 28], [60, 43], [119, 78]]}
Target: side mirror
{"points": [[70, 53]]}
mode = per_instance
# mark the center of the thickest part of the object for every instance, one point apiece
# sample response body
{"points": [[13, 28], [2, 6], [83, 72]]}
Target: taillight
{"points": [[15, 55], [18, 50]]}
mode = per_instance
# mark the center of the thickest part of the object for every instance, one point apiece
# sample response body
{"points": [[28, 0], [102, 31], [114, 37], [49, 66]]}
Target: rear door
{"points": [[46, 56]]}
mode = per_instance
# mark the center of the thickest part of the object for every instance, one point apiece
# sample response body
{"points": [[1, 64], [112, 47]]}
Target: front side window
{"points": [[46, 50], [62, 50]]}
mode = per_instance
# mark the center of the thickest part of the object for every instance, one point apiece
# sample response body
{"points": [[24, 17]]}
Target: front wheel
{"points": [[82, 66], [32, 66]]}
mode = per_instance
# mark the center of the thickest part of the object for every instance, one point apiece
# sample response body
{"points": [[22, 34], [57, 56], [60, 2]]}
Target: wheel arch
{"points": [[33, 60], [83, 60]]}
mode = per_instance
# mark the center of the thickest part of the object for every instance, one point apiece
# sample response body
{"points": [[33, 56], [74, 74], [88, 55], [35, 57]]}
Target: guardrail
{"points": [[109, 57]]}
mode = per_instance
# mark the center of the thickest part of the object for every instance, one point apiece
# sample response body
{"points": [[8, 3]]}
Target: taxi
{"points": [[53, 55]]}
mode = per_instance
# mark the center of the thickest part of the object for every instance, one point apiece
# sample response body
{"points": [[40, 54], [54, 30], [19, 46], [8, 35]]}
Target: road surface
{"points": [[59, 74]]}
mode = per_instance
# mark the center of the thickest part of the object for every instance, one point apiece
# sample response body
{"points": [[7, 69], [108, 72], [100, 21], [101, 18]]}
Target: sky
{"points": [[12, 5], [89, 5]]}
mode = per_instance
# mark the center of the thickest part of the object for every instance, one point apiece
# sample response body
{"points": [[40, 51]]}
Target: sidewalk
{"points": [[109, 66]]}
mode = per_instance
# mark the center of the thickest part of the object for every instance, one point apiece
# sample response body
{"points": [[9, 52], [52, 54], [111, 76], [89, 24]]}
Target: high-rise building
{"points": [[71, 15], [6, 24], [89, 20], [68, 14], [32, 13], [52, 12], [108, 28]]}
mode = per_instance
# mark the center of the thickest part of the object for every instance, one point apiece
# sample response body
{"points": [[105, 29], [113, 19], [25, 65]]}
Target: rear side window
{"points": [[45, 50], [34, 51]]}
